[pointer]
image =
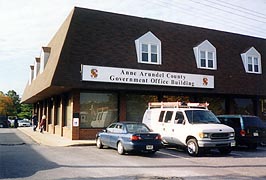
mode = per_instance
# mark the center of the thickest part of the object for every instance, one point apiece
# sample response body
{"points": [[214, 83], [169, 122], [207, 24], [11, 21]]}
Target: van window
{"points": [[161, 116], [168, 116], [179, 117]]}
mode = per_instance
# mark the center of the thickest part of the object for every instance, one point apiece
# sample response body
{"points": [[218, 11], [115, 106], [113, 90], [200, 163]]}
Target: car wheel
{"points": [[225, 150], [99, 143], [192, 147], [120, 148]]}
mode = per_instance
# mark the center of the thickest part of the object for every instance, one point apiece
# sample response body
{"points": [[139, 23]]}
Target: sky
{"points": [[27, 25]]}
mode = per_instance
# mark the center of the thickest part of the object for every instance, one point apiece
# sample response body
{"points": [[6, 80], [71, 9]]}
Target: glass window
{"points": [[136, 106], [205, 55], [243, 106], [200, 116], [148, 48], [144, 50], [252, 61], [253, 64], [207, 59], [202, 59], [168, 116], [153, 53], [98, 110], [149, 53], [250, 64], [210, 59], [232, 122], [256, 64], [161, 116], [179, 118]]}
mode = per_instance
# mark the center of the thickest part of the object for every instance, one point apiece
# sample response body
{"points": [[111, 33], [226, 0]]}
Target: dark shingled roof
{"points": [[93, 37]]}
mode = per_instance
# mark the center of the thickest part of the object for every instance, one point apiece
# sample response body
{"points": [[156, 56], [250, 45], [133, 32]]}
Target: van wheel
{"points": [[192, 147], [120, 148], [99, 143]]}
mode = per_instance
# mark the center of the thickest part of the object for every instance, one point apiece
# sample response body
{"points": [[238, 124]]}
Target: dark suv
{"points": [[249, 130], [3, 122]]}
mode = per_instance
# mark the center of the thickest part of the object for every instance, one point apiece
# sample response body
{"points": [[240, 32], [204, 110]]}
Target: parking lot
{"points": [[26, 159]]}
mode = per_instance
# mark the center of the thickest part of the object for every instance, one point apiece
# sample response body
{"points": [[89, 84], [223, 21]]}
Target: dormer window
{"points": [[148, 48], [252, 61], [205, 55]]}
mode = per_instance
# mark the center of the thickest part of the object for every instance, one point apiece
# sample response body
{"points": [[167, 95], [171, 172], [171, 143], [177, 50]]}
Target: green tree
{"points": [[26, 111], [16, 102], [10, 105]]}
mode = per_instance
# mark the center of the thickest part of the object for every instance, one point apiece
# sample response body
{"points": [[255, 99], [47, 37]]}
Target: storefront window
{"points": [[262, 110], [136, 106], [176, 98], [243, 106], [98, 110], [216, 105]]}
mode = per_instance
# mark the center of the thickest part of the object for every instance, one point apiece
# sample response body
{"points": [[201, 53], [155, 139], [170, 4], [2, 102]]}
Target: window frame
{"points": [[207, 49], [151, 41], [252, 61], [252, 64]]}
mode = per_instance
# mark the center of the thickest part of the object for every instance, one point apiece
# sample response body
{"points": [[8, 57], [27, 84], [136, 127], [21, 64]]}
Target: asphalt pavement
{"points": [[49, 139]]}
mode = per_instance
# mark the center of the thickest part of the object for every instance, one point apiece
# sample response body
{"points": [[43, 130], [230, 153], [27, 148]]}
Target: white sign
{"points": [[75, 122], [145, 77]]}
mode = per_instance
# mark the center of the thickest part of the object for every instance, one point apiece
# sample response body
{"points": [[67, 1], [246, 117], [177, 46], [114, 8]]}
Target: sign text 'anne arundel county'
{"points": [[145, 77]]}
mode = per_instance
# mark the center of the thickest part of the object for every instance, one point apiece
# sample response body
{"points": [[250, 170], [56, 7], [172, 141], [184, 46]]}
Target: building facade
{"points": [[103, 67]]}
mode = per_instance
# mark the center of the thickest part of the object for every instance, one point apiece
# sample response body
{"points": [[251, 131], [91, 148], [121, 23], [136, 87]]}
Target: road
{"points": [[21, 158]]}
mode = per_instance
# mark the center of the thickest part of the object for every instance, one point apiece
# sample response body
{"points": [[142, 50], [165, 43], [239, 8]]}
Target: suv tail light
{"points": [[243, 133], [158, 137]]}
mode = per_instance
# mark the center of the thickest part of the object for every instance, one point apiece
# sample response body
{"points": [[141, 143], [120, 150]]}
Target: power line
{"points": [[236, 25], [243, 16], [240, 8]]}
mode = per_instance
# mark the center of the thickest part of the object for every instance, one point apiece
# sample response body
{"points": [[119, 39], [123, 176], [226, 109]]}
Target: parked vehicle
{"points": [[4, 123], [249, 130], [189, 125], [129, 136], [24, 123]]}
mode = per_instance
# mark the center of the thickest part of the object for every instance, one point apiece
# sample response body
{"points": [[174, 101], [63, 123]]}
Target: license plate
{"points": [[255, 134], [149, 147], [233, 144]]}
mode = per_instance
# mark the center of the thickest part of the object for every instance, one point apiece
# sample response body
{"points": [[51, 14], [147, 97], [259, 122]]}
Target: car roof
{"points": [[235, 115], [180, 108], [128, 122]]}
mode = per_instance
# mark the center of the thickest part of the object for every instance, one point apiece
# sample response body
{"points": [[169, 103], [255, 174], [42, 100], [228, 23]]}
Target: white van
{"points": [[189, 125]]}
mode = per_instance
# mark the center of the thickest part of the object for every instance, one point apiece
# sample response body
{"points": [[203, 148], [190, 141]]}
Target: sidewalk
{"points": [[48, 139]]}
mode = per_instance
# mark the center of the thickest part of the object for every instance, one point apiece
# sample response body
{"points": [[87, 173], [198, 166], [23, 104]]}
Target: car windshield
{"points": [[201, 116], [137, 128]]}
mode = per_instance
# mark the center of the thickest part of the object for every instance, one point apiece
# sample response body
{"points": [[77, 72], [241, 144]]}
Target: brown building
{"points": [[102, 67]]}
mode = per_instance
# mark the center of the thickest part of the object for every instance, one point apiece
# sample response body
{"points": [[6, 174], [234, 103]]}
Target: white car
{"points": [[24, 123]]}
